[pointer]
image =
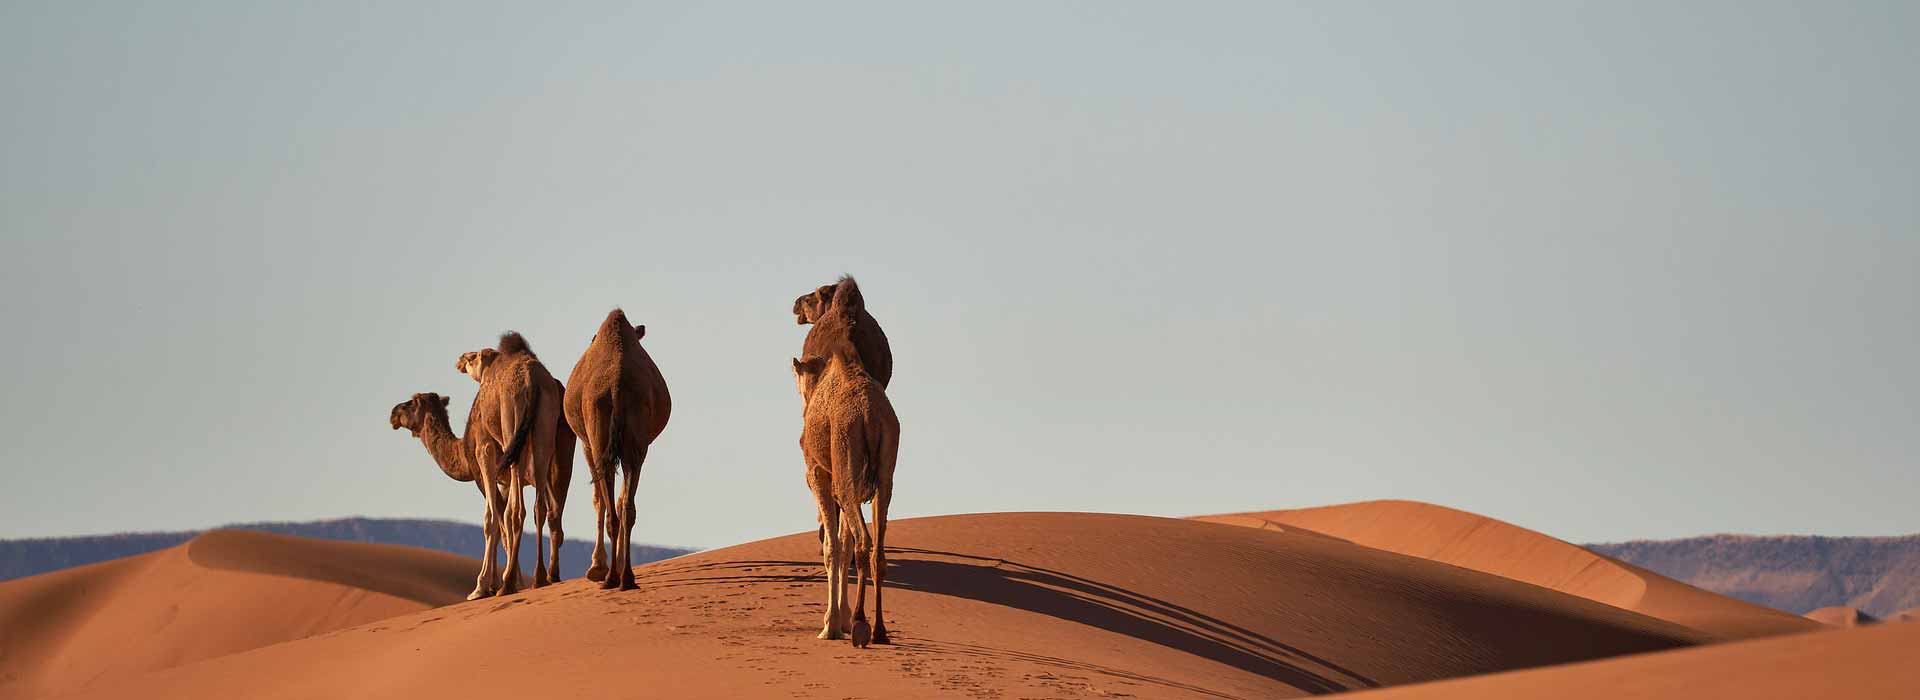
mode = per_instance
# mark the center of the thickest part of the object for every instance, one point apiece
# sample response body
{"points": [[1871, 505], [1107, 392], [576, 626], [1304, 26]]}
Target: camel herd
{"points": [[523, 423]]}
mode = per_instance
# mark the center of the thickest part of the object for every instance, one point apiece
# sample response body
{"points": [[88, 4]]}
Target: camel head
{"points": [[812, 305], [413, 413], [806, 375], [474, 364]]}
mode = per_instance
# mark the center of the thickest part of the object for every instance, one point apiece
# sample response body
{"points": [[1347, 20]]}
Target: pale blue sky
{"points": [[1607, 270]]}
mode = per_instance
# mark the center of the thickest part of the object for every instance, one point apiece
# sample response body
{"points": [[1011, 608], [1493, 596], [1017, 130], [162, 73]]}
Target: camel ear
{"points": [[444, 400], [639, 331]]}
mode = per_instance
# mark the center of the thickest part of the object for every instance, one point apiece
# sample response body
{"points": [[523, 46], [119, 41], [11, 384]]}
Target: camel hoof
{"points": [[862, 635], [597, 572], [629, 585], [880, 636], [479, 593], [609, 583], [830, 634]]}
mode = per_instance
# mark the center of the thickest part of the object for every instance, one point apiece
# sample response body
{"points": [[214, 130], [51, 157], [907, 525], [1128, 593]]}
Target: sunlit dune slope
{"points": [[1484, 544], [223, 592]]}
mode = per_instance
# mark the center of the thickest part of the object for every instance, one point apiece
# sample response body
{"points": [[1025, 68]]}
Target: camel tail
{"points": [[613, 433], [519, 439]]}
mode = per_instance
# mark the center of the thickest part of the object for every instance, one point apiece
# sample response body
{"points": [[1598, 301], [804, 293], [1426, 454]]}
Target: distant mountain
{"points": [[1878, 575], [27, 557]]}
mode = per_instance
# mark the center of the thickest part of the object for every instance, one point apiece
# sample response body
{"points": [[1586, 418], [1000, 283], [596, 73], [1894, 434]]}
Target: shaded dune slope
{"points": [[989, 605], [221, 593], [1864, 662], [1484, 544]]}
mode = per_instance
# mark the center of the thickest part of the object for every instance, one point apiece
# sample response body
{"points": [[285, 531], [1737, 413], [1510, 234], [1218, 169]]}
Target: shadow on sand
{"points": [[1066, 597]]}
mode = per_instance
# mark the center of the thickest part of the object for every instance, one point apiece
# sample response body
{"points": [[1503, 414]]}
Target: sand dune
{"points": [[223, 592], [1867, 662], [1484, 544], [1841, 616], [994, 605]]}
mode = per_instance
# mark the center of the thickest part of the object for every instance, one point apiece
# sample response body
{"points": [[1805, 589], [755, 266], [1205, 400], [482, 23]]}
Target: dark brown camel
{"points": [[617, 403]]}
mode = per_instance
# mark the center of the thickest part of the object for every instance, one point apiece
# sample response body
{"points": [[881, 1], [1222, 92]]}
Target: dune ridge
{"points": [[1496, 547], [1841, 616], [988, 605]]}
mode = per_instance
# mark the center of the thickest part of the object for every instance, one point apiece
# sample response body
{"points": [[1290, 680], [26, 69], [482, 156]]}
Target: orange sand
{"points": [[1484, 544], [994, 605], [223, 592]]}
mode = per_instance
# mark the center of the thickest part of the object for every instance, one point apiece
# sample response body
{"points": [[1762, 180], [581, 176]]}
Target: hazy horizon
{"points": [[1609, 271]]}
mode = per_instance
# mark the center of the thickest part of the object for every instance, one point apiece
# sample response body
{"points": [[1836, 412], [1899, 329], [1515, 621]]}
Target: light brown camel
{"points": [[511, 433], [871, 342], [850, 438], [868, 339], [617, 402], [425, 415], [559, 473]]}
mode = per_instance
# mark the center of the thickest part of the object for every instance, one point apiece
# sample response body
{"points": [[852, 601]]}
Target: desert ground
{"points": [[1387, 599]]}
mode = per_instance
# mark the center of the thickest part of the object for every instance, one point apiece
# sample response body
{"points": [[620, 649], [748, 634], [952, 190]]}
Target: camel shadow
{"points": [[1070, 598]]}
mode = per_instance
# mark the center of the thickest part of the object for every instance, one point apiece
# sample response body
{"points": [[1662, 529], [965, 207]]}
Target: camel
{"points": [[868, 340], [510, 431], [559, 473], [425, 415], [850, 438], [617, 402]]}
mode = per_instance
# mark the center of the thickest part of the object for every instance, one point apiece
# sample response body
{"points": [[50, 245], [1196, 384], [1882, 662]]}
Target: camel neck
{"points": [[446, 448]]}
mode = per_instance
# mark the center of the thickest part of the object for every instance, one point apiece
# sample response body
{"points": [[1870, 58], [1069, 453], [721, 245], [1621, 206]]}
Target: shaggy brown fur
{"points": [[425, 415], [871, 342], [617, 402], [559, 473], [850, 439], [511, 433]]}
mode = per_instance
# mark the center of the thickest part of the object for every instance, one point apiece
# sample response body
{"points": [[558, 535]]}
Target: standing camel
{"points": [[617, 402], [511, 433], [425, 415], [850, 438], [876, 355], [559, 473]]}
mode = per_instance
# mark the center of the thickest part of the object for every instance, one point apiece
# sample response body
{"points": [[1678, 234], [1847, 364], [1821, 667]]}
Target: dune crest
{"points": [[1492, 546], [220, 593], [1841, 616]]}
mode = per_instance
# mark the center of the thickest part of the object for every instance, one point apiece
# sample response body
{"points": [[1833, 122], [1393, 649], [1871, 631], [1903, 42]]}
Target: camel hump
{"points": [[512, 343], [846, 295]]}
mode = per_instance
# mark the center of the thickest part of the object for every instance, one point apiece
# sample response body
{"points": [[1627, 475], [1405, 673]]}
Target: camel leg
{"points": [[879, 560], [629, 511], [554, 506], [514, 522], [597, 567], [857, 532], [822, 487], [489, 568], [539, 538], [833, 626], [483, 584]]}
